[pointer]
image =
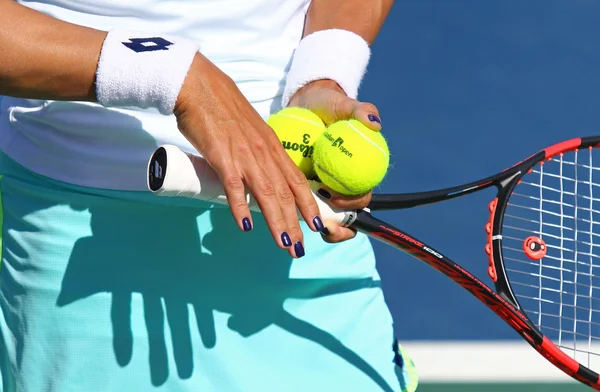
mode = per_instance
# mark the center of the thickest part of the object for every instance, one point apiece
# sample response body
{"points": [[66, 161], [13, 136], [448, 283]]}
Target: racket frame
{"points": [[502, 301]]}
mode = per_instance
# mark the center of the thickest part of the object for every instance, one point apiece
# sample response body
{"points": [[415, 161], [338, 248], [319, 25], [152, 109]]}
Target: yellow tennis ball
{"points": [[298, 129], [350, 158]]}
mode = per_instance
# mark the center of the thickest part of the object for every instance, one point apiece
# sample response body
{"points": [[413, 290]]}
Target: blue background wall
{"points": [[465, 89]]}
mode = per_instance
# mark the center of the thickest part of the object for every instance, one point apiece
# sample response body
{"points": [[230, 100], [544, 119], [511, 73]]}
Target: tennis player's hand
{"points": [[327, 99], [245, 152]]}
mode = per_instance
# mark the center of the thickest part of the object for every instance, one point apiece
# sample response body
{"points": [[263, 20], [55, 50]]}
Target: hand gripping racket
{"points": [[543, 242]]}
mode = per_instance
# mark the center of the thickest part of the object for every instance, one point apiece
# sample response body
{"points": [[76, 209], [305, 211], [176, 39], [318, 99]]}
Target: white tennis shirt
{"points": [[86, 144]]}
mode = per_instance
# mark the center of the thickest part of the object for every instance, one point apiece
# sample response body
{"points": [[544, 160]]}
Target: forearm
{"points": [[363, 17], [45, 58]]}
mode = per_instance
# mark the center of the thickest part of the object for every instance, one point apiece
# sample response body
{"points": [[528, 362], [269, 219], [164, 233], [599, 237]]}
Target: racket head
{"points": [[543, 253]]}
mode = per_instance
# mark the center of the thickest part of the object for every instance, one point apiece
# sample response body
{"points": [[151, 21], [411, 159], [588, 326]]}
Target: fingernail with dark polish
{"points": [[324, 231], [246, 224], [318, 223], [323, 193], [299, 249], [285, 238], [374, 118]]}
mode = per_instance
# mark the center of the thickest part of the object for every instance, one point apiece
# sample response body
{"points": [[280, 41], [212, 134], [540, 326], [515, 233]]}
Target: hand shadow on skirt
{"points": [[162, 257]]}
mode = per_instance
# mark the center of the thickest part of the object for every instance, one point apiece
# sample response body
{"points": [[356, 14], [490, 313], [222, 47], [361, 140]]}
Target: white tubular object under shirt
{"points": [[142, 70], [339, 55]]}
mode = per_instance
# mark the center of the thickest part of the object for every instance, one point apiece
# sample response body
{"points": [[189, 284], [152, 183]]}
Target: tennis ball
{"points": [[298, 129], [350, 158]]}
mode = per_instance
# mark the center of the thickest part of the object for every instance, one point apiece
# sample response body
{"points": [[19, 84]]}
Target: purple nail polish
{"points": [[318, 223], [246, 224], [325, 231], [299, 249], [374, 118], [323, 193], [285, 238]]}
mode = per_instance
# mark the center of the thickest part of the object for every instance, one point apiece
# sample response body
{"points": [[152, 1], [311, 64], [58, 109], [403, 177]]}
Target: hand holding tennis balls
{"points": [[350, 158], [298, 129], [331, 103]]}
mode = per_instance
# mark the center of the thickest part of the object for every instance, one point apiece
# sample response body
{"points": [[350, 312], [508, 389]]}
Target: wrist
{"points": [[338, 55], [191, 84]]}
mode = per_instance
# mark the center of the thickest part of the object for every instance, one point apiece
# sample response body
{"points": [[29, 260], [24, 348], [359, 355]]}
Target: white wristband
{"points": [[339, 55], [142, 70]]}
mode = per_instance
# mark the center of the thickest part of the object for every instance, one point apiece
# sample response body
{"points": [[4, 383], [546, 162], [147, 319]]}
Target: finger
{"points": [[286, 198], [345, 108], [287, 203], [344, 202], [248, 174], [304, 199], [340, 107], [368, 114], [274, 197], [335, 233], [235, 191], [264, 191]]}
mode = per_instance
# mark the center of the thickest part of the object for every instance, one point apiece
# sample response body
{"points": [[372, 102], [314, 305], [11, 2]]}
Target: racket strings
{"points": [[578, 334], [515, 281], [566, 260], [557, 214], [557, 205], [530, 263]]}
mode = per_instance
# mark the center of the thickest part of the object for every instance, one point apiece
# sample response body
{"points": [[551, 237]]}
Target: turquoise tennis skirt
{"points": [[127, 291]]}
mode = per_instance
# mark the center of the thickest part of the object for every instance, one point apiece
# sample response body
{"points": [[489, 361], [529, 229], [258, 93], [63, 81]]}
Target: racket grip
{"points": [[174, 173]]}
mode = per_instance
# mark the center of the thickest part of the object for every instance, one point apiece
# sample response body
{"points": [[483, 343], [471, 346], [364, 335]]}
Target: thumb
{"points": [[367, 114], [327, 99], [347, 108]]}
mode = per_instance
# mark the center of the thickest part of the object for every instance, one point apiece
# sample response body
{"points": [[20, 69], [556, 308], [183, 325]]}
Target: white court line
{"points": [[482, 361]]}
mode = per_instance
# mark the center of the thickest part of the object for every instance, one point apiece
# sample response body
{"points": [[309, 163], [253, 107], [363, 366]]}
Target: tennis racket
{"points": [[543, 242]]}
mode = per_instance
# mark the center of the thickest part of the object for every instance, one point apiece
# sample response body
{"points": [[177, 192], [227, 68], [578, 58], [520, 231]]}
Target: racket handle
{"points": [[174, 173]]}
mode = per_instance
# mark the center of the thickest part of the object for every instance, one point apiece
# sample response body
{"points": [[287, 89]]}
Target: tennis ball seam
{"points": [[302, 119], [366, 138], [321, 168]]}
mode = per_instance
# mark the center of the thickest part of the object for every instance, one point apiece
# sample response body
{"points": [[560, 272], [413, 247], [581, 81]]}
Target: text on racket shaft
{"points": [[413, 241]]}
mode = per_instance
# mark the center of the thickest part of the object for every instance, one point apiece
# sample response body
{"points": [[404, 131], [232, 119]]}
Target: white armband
{"points": [[339, 55], [142, 70]]}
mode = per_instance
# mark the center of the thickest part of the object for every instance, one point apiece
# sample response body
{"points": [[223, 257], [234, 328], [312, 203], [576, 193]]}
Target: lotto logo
{"points": [[153, 44]]}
